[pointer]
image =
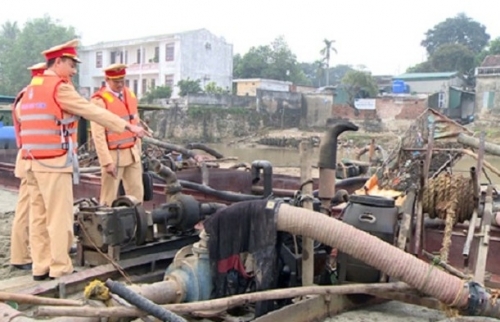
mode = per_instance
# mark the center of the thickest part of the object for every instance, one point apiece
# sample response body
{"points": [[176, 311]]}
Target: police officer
{"points": [[48, 113], [20, 257], [119, 153]]}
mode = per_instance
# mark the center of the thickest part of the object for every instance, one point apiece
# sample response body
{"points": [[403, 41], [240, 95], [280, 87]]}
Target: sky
{"points": [[383, 35]]}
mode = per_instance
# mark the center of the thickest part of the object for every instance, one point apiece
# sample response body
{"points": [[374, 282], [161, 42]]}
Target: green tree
{"points": [[315, 72], [36, 36], [453, 57], [325, 52], [212, 88], [460, 29], [159, 92], [424, 67], [189, 86], [359, 84], [273, 61], [492, 49]]}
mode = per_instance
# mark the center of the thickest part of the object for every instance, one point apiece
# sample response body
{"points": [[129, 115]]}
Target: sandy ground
{"points": [[388, 312], [8, 201]]}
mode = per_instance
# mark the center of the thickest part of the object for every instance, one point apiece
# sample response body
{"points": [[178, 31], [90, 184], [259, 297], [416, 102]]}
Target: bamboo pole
{"points": [[37, 300], [228, 302], [307, 191]]}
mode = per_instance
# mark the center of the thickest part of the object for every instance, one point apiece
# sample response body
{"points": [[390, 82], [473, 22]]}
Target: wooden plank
{"points": [[77, 281], [315, 309]]}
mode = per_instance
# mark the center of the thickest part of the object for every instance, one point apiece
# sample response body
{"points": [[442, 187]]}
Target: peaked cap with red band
{"points": [[37, 69], [115, 71], [65, 50]]}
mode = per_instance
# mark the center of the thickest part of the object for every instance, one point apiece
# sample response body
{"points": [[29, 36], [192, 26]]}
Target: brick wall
{"points": [[386, 109]]}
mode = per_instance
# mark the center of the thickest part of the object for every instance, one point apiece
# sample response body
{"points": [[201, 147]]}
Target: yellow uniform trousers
{"points": [[19, 238], [132, 183], [51, 222]]}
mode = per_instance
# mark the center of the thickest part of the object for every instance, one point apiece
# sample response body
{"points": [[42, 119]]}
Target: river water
{"points": [[289, 157]]}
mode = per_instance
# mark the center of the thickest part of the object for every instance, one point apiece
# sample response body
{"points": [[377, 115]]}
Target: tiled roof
{"points": [[491, 61]]}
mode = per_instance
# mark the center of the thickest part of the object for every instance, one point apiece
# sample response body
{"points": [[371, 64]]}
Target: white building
{"points": [[160, 60]]}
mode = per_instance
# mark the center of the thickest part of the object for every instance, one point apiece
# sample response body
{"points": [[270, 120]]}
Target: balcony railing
{"points": [[144, 67]]}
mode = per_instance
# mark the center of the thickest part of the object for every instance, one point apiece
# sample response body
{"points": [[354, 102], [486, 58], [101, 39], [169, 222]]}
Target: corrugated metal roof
{"points": [[415, 76], [491, 61]]}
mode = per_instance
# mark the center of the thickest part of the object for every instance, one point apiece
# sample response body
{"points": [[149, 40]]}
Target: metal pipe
{"points": [[328, 162], [267, 168]]}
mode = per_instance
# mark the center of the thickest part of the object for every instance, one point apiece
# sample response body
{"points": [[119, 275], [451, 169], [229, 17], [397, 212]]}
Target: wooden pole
{"points": [[473, 142], [169, 146], [37, 300], [307, 191], [228, 302]]}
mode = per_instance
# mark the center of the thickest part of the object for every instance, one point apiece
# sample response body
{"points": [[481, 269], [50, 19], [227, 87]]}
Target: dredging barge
{"points": [[381, 229]]}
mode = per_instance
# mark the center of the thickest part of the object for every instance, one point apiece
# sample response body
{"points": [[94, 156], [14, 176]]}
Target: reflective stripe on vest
{"points": [[127, 110], [45, 132]]}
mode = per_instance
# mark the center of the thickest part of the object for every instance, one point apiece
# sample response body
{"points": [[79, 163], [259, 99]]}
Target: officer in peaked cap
{"points": [[49, 118], [20, 257], [119, 154]]}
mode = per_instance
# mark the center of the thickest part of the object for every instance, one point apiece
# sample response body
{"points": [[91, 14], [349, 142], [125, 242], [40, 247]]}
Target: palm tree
{"points": [[320, 70], [325, 52]]}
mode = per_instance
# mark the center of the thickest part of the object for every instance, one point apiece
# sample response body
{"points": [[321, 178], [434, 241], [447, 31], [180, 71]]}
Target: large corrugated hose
{"points": [[402, 266]]}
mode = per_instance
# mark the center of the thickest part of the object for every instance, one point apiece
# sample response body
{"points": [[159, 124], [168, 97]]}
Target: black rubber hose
{"points": [[203, 147], [267, 168], [223, 195], [328, 148], [143, 303]]}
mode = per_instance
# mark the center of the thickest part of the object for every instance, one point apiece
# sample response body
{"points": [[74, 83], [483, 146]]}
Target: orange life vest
{"points": [[17, 125], [126, 108], [45, 133]]}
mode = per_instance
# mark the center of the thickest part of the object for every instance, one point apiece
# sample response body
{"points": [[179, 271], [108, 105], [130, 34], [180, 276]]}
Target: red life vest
{"points": [[45, 132], [126, 108]]}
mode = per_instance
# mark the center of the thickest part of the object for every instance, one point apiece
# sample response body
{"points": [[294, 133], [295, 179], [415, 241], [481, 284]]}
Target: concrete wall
{"points": [[284, 109], [432, 86], [287, 109], [249, 87], [221, 100], [207, 57], [319, 109], [388, 111], [487, 85]]}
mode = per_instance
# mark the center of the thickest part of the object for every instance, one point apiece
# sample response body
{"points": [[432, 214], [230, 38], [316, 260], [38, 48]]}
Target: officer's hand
{"points": [[138, 130], [111, 169]]}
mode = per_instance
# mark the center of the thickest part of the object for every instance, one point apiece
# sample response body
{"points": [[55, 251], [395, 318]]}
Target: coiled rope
{"points": [[449, 197]]}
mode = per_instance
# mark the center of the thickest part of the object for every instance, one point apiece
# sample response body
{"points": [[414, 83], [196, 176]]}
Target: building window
{"points": [[139, 55], [169, 52], [112, 57], [103, 83], [120, 56], [98, 59], [169, 80], [156, 58], [126, 57], [153, 83], [144, 86], [136, 86], [127, 83]]}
